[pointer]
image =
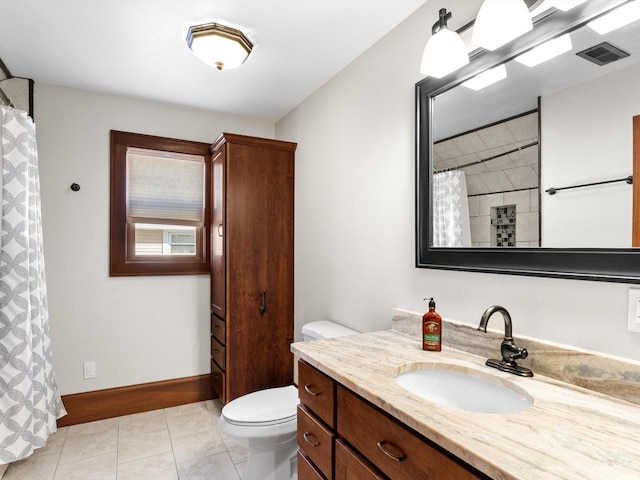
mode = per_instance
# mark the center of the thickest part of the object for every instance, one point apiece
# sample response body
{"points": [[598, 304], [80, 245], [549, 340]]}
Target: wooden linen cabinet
{"points": [[251, 264]]}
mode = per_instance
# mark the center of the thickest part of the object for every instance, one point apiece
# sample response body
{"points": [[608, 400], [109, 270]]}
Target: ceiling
{"points": [[137, 48]]}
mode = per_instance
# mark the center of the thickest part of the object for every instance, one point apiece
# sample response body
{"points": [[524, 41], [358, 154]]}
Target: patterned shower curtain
{"points": [[29, 398], [450, 210]]}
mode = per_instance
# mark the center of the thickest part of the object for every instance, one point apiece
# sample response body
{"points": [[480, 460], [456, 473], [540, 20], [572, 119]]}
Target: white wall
{"points": [[354, 258], [587, 136], [136, 329]]}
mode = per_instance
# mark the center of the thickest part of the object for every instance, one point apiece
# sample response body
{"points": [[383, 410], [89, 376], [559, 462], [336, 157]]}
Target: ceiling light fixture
{"points": [[486, 78], [621, 16], [500, 21], [445, 51], [218, 45], [546, 51]]}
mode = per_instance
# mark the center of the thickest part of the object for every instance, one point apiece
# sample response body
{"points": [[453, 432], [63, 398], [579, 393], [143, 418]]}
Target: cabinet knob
{"points": [[219, 229], [307, 436], [307, 388], [263, 307], [398, 455]]}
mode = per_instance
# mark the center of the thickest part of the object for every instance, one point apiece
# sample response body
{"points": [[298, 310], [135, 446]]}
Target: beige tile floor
{"points": [[175, 443]]}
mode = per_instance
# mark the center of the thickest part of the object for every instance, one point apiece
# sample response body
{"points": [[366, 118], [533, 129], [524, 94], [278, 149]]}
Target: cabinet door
{"points": [[315, 441], [306, 470], [218, 234], [259, 256], [349, 465], [398, 452], [317, 392]]}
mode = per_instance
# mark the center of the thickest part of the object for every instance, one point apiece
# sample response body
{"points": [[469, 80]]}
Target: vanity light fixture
{"points": [[621, 16], [500, 21], [486, 78], [445, 51], [218, 45], [546, 51]]}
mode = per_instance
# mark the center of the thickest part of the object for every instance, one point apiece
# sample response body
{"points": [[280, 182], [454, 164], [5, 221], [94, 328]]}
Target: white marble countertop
{"points": [[568, 433]]}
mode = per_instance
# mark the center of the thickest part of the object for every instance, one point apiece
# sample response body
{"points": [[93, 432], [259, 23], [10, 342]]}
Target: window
{"points": [[159, 198]]}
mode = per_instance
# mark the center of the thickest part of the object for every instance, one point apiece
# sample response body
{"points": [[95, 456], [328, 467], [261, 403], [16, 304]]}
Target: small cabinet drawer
{"points": [[219, 329], [306, 470], [316, 441], [350, 465], [317, 392], [218, 380], [397, 451], [218, 353]]}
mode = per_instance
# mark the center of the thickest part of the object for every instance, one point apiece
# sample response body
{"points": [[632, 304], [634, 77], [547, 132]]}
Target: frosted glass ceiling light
{"points": [[445, 51], [546, 51], [486, 78], [621, 16], [218, 45], [500, 21]]}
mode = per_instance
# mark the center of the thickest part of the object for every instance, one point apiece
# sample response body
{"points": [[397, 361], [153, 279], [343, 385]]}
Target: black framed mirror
{"points": [[587, 263]]}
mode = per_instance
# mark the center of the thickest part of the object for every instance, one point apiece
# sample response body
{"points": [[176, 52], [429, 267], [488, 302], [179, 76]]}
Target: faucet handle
{"points": [[511, 352]]}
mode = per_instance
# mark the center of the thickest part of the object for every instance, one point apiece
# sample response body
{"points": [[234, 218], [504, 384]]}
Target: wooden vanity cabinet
{"points": [[367, 443], [251, 264]]}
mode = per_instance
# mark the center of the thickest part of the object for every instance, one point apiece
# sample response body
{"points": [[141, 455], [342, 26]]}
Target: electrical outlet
{"points": [[634, 310], [89, 370]]}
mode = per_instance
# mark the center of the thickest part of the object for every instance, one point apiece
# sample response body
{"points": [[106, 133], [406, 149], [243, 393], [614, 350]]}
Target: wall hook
{"points": [[75, 187]]}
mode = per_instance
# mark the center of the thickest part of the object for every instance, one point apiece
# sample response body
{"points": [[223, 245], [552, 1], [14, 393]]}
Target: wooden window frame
{"points": [[122, 258]]}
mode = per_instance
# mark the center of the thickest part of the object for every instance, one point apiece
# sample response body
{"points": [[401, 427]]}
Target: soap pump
{"points": [[431, 328]]}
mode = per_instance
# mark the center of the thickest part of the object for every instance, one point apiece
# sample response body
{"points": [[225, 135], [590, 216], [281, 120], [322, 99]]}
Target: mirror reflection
{"points": [[565, 122]]}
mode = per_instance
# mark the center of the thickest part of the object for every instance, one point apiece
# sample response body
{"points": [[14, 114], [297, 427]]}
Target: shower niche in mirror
{"points": [[558, 125]]}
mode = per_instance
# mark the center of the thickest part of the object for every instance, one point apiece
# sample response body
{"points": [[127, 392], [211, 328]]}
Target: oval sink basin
{"points": [[464, 391]]}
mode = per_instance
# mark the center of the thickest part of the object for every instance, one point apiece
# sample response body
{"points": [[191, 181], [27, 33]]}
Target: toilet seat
{"points": [[272, 406]]}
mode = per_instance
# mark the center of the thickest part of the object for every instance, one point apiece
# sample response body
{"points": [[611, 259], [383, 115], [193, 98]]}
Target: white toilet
{"points": [[265, 420]]}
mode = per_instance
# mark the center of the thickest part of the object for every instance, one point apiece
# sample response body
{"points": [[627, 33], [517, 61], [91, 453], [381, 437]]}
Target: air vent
{"points": [[602, 54]]}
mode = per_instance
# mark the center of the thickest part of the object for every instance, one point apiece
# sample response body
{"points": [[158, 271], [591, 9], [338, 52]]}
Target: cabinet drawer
{"points": [[218, 380], [350, 465], [219, 329], [316, 441], [218, 353], [306, 470], [317, 392], [397, 451]]}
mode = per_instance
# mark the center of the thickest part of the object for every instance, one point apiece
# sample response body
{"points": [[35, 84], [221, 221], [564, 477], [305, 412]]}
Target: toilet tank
{"points": [[325, 329]]}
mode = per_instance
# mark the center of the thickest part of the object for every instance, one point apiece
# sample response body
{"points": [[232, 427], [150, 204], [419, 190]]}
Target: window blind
{"points": [[165, 185]]}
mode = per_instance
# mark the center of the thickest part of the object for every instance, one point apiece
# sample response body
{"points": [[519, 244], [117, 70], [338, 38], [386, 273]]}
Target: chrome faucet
{"points": [[509, 350]]}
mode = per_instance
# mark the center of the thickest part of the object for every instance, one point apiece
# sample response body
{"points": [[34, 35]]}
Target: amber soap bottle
{"points": [[432, 329]]}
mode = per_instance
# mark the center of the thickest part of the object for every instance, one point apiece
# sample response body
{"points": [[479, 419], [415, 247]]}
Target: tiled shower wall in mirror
{"points": [[500, 162]]}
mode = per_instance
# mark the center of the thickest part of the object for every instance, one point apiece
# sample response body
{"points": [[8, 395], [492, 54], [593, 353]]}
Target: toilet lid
{"points": [[264, 407]]}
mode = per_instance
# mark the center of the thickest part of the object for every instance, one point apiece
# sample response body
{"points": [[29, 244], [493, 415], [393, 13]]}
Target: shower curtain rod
{"points": [[5, 100], [477, 162], [628, 180], [7, 74]]}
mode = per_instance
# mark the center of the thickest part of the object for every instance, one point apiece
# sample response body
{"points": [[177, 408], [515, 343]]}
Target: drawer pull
{"points": [[216, 327], [307, 388], [398, 456], [306, 436]]}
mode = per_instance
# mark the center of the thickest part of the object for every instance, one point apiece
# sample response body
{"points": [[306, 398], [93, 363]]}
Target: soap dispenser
{"points": [[431, 329]]}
